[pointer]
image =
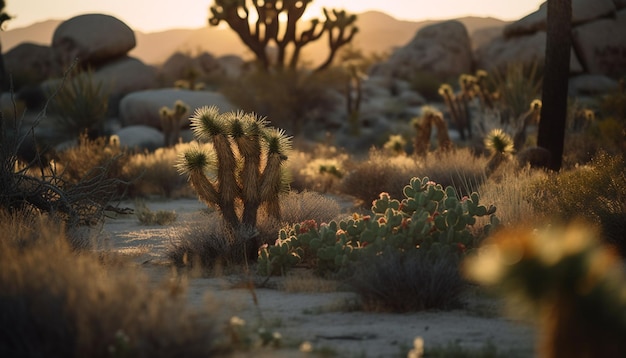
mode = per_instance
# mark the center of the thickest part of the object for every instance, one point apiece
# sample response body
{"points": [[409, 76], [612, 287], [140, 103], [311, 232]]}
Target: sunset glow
{"points": [[158, 15]]}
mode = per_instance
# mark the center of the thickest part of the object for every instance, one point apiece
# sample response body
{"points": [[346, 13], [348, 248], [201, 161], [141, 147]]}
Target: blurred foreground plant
{"points": [[572, 285]]}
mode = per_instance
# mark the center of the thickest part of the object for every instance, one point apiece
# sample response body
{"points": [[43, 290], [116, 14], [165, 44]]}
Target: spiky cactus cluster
{"points": [[428, 218], [500, 144], [247, 159]]}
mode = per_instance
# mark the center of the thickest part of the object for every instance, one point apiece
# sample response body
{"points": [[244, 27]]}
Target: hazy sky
{"points": [[155, 15]]}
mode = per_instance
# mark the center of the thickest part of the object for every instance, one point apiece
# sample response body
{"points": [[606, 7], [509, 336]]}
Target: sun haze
{"points": [[159, 15]]}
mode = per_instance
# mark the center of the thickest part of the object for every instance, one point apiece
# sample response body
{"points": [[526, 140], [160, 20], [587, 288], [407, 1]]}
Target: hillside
{"points": [[378, 33]]}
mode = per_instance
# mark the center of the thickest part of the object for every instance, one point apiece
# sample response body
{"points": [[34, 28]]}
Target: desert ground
{"points": [[330, 321]]}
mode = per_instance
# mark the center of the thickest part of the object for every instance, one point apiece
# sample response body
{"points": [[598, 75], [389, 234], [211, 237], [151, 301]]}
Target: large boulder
{"points": [[443, 49], [582, 11], [29, 64], [598, 39], [127, 74], [601, 45], [528, 49], [143, 107], [93, 39], [140, 138]]}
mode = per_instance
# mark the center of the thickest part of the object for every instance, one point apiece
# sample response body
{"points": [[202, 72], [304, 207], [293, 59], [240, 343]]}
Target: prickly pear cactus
{"points": [[428, 218]]}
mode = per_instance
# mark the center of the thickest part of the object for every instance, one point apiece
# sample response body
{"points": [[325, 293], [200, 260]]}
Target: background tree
{"points": [[3, 74], [551, 132], [270, 30]]}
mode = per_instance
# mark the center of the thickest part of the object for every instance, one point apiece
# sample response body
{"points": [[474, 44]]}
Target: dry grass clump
{"points": [[512, 192], [410, 281], [320, 167], [380, 172], [307, 281], [595, 192], [208, 244], [59, 303], [156, 173]]}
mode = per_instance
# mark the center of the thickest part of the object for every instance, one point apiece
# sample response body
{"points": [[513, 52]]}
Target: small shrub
{"points": [[81, 105], [149, 217], [594, 192], [414, 280]]}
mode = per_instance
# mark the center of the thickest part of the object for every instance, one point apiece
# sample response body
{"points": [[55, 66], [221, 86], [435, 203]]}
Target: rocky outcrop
{"points": [[443, 49], [144, 107], [92, 38], [598, 34]]}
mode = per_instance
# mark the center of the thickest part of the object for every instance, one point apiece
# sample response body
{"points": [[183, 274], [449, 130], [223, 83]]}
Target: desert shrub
{"points": [[209, 243], [57, 303], [319, 168], [517, 86], [376, 174], [382, 173], [80, 105], [512, 193], [155, 173], [414, 280], [291, 98], [89, 156], [594, 192], [149, 217], [428, 218]]}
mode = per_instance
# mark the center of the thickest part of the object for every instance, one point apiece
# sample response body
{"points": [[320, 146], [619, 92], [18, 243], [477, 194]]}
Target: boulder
{"points": [[443, 49], [592, 85], [143, 107], [582, 11], [140, 138], [601, 45], [93, 39], [522, 49], [126, 75], [29, 64]]}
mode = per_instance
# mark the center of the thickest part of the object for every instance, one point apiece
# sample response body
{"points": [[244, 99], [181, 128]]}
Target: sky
{"points": [[158, 15]]}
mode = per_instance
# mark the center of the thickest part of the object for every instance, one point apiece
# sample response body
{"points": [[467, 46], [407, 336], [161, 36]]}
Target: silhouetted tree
{"points": [[270, 29], [551, 132], [3, 73]]}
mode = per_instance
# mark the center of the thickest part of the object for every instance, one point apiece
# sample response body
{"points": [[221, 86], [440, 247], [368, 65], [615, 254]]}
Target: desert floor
{"points": [[328, 320]]}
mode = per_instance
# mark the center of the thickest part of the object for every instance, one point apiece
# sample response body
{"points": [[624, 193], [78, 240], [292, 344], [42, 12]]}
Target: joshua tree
{"points": [[270, 30], [3, 74], [248, 161], [551, 134], [171, 121], [500, 145]]}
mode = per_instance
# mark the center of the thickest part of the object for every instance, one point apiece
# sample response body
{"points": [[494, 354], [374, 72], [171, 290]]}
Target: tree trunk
{"points": [[551, 133]]}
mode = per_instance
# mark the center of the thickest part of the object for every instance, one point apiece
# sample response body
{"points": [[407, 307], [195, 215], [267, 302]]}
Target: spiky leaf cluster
{"points": [[247, 158]]}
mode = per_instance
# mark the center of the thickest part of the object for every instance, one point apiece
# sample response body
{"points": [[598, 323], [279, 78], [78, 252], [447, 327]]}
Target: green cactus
{"points": [[172, 120], [428, 218], [248, 159]]}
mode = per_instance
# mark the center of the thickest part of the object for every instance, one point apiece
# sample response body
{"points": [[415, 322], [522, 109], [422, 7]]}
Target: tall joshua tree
{"points": [[247, 158], [269, 29], [551, 132], [3, 74]]}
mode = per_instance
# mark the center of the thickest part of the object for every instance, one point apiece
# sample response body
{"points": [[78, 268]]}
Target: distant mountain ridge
{"points": [[378, 33]]}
